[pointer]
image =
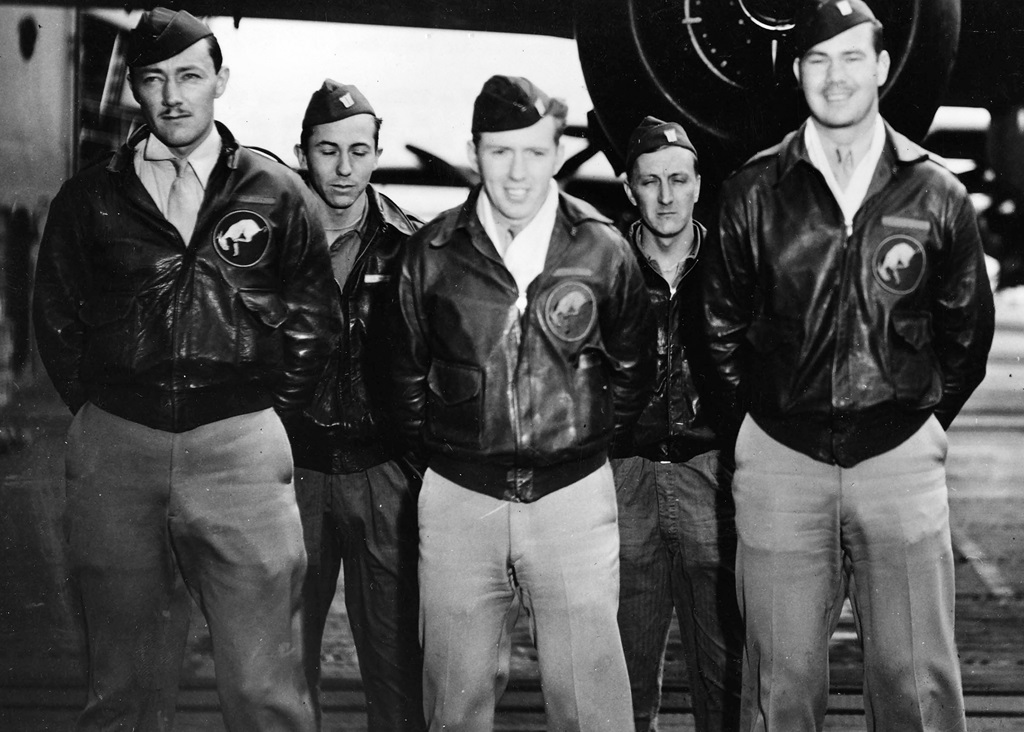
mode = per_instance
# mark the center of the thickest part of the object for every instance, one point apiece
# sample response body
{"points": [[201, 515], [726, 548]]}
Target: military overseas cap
{"points": [[511, 103], [819, 20], [653, 134], [334, 101], [162, 33]]}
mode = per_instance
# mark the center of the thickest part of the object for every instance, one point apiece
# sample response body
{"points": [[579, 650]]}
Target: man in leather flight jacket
{"points": [[850, 314], [182, 302], [677, 533], [356, 492], [526, 342]]}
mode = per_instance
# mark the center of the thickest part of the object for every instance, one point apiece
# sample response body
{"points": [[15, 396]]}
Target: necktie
{"points": [[185, 198]]}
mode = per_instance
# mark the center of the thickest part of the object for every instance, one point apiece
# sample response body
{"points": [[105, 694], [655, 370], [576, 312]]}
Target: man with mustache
{"points": [[183, 308], [850, 316]]}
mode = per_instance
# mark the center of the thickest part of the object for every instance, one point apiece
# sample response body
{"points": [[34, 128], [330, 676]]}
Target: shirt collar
{"points": [[683, 266], [203, 158], [542, 223], [851, 198]]}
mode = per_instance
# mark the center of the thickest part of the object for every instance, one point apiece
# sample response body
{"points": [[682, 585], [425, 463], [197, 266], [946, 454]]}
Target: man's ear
{"points": [[300, 155], [796, 70], [222, 81], [883, 67], [628, 190], [471, 154]]}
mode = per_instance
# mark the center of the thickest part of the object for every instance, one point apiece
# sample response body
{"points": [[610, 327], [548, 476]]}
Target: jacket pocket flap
{"points": [[767, 335], [265, 305], [914, 328], [106, 309], [454, 383]]}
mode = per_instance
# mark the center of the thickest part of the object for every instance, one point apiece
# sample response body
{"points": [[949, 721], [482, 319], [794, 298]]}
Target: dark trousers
{"points": [[153, 516], [366, 523], [677, 537]]}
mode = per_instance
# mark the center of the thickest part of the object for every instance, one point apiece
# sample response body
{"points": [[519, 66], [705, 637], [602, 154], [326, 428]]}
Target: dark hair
{"points": [[215, 54], [879, 37], [557, 109], [307, 132]]}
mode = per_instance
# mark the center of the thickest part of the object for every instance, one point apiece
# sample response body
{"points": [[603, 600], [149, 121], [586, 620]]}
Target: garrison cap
{"points": [[819, 20], [162, 33], [334, 101], [653, 134], [512, 103]]}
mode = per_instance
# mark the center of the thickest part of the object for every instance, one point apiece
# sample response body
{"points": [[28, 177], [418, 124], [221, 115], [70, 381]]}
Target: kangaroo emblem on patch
{"points": [[571, 310], [899, 263], [241, 238]]}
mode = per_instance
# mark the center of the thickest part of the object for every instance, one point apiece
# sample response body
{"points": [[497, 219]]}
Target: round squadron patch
{"points": [[571, 310], [241, 238], [899, 264]]}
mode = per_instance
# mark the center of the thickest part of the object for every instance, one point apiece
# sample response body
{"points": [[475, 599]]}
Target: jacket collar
{"points": [[384, 212], [898, 151], [571, 211], [124, 156]]}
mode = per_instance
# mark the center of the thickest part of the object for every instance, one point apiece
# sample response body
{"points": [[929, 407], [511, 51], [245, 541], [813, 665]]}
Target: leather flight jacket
{"points": [[676, 424], [174, 335], [841, 342], [347, 426], [517, 405]]}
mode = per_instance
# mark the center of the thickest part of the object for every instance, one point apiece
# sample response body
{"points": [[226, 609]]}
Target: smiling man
{"points": [[356, 491], [183, 308], [850, 318], [526, 343]]}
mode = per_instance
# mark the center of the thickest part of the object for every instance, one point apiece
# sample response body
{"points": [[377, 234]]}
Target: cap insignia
{"points": [[671, 136], [347, 100], [844, 7]]}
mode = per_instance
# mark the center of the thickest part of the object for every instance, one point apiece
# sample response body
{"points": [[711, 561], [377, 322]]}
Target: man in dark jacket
{"points": [[356, 493], [526, 343], [850, 314], [677, 534], [183, 301]]}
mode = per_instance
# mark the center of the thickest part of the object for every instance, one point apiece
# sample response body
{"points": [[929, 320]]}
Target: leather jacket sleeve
{"points": [[411, 359], [314, 310], [963, 314], [62, 281], [728, 293], [629, 331]]}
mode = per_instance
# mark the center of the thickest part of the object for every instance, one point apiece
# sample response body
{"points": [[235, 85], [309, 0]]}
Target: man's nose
{"points": [[344, 165], [518, 169], [833, 72], [172, 93], [664, 193]]}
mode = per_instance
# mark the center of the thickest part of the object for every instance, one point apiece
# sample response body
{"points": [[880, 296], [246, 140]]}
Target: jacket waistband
{"points": [[180, 411], [517, 484]]}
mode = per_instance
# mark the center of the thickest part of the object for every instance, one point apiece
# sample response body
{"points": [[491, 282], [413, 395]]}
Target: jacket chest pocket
{"points": [[911, 361], [258, 324], [455, 403]]}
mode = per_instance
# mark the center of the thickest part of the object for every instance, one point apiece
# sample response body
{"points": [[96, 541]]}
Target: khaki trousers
{"points": [[153, 516], [811, 533]]}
